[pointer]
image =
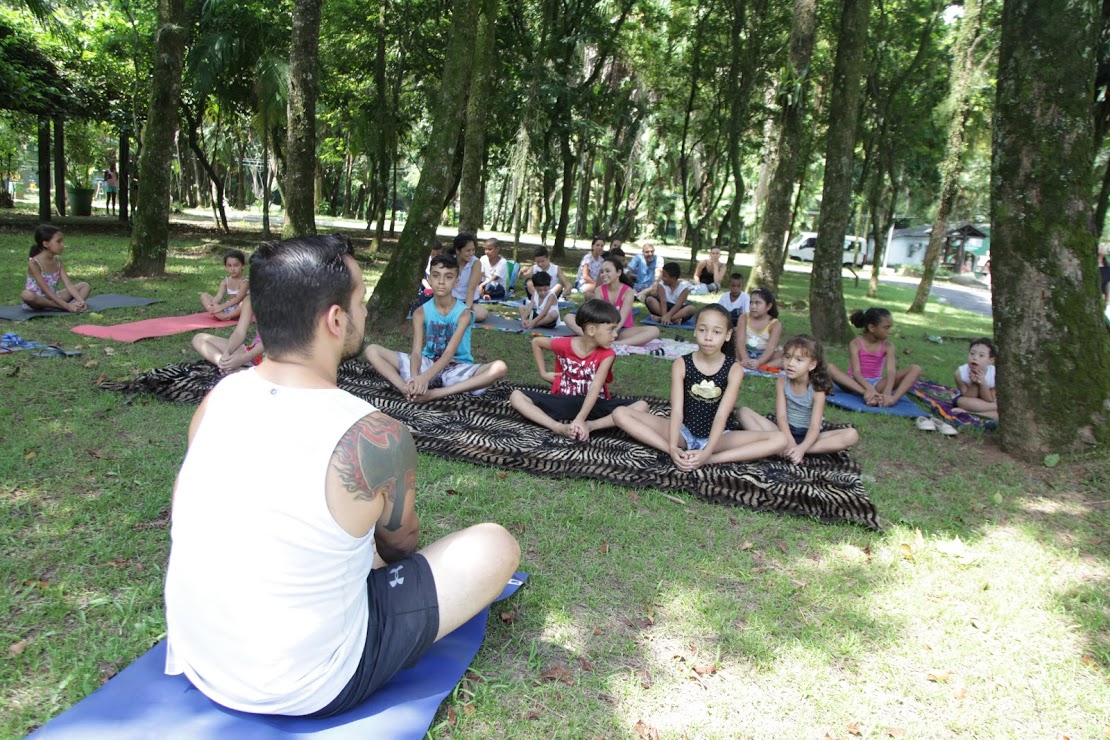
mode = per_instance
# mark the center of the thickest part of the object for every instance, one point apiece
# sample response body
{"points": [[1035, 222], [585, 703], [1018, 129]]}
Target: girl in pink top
{"points": [[873, 373], [613, 291]]}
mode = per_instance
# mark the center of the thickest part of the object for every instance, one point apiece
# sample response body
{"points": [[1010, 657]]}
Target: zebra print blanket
{"points": [[485, 430]]}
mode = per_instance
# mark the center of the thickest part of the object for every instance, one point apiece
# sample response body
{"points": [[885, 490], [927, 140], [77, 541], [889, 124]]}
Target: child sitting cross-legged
{"points": [[440, 363], [579, 401], [541, 310]]}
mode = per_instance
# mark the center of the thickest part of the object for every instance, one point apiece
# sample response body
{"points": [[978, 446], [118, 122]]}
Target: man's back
{"points": [[266, 593]]}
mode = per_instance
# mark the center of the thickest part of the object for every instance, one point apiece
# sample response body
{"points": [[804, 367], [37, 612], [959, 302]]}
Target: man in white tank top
{"points": [[295, 555]]}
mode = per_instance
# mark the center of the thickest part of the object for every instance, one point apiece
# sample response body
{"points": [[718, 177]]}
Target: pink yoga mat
{"points": [[160, 327]]}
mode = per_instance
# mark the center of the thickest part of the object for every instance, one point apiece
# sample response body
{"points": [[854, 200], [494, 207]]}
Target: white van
{"points": [[801, 249]]}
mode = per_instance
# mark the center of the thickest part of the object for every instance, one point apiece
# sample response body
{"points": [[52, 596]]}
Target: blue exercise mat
{"points": [[847, 400], [142, 702], [687, 324], [97, 302]]}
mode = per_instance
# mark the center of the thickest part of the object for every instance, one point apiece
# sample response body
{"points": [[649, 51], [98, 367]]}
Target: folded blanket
{"points": [[487, 431], [941, 400]]}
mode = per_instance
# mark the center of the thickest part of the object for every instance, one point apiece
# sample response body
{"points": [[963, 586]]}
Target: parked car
{"points": [[801, 249]]}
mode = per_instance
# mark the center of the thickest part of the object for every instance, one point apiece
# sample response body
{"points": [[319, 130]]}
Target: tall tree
{"points": [[960, 96], [150, 239], [300, 163], [390, 301], [792, 95], [826, 292], [471, 192], [1042, 234]]}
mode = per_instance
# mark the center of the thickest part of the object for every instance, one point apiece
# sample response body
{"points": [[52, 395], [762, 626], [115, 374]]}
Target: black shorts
{"points": [[566, 408], [402, 625]]}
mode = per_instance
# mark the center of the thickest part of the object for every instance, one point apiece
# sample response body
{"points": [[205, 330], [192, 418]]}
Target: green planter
{"points": [[80, 201]]}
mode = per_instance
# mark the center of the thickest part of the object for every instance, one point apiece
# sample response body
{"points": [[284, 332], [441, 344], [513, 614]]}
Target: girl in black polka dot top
{"points": [[704, 387]]}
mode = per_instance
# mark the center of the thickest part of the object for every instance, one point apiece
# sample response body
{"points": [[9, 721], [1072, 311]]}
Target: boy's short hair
{"points": [[540, 252], [986, 342], [541, 278], [736, 276], [445, 260], [616, 252], [597, 311], [672, 269]]}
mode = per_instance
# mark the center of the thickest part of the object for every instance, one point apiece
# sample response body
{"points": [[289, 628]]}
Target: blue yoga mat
{"points": [[687, 324], [847, 400], [142, 702]]}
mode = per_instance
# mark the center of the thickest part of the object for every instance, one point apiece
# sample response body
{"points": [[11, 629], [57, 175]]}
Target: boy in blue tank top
{"points": [[440, 363]]}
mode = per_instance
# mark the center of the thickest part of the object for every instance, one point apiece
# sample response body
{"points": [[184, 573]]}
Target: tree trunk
{"points": [[300, 165], [389, 303], [1053, 350], [827, 317], [60, 164], [124, 195], [44, 170], [563, 224], [477, 116], [778, 214], [150, 239], [959, 102]]}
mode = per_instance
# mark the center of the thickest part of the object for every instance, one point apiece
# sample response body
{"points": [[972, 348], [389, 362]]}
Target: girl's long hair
{"points": [[768, 298], [43, 234], [729, 348], [818, 377]]}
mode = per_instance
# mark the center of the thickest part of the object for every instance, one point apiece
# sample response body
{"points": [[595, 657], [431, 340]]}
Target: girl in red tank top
{"points": [[873, 372]]}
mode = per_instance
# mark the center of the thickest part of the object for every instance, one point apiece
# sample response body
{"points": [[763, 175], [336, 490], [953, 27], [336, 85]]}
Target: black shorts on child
{"points": [[401, 626], [566, 408]]}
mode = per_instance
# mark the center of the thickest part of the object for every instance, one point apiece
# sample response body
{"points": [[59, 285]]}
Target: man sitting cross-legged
{"points": [[295, 585]]}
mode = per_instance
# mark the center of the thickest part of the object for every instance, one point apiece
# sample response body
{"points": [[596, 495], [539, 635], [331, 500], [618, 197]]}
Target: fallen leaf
{"points": [[918, 538], [586, 665], [36, 584], [799, 584], [474, 677], [959, 693], [782, 547], [641, 623], [451, 492], [746, 545], [16, 648], [907, 552], [451, 718], [732, 521], [597, 631], [645, 730], [1087, 660], [1062, 736], [109, 351], [1051, 461], [118, 563], [632, 495], [502, 475], [558, 673], [28, 456], [103, 378], [939, 676], [645, 678], [91, 363], [532, 715], [468, 708], [894, 731], [854, 728], [867, 553], [508, 617], [604, 547], [706, 670]]}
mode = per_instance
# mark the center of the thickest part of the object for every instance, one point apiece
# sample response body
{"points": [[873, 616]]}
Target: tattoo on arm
{"points": [[376, 457]]}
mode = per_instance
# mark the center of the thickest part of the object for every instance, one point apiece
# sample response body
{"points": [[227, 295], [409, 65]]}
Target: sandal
{"points": [[925, 424], [945, 428]]}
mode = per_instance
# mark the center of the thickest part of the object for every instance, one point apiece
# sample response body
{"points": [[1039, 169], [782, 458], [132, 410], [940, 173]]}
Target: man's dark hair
{"points": [[444, 260], [541, 279], [597, 311], [293, 283], [736, 276], [672, 269], [540, 252]]}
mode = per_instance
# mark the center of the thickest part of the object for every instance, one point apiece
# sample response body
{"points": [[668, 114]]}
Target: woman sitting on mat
{"points": [[232, 354], [45, 271], [704, 387], [873, 373], [614, 292]]}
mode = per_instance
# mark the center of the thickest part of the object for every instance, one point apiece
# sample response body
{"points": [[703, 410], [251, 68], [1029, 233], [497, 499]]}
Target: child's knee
{"points": [[497, 369]]}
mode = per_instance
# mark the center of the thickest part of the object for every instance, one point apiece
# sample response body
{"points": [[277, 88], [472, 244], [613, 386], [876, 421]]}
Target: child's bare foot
{"points": [[566, 430]]}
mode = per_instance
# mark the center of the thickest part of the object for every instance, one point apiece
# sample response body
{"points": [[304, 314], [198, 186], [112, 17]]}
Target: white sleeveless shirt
{"points": [[265, 593]]}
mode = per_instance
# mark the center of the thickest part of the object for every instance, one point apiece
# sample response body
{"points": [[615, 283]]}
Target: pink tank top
{"points": [[620, 299], [871, 363]]}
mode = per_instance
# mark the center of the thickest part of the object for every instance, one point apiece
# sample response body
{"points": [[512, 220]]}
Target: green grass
{"points": [[981, 610]]}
